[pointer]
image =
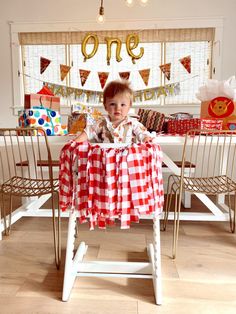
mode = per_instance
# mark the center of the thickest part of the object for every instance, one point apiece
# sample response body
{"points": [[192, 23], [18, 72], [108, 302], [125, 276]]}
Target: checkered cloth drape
{"points": [[105, 183]]}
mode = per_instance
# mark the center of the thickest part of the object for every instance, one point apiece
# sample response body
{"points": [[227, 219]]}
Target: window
{"points": [[161, 46]]}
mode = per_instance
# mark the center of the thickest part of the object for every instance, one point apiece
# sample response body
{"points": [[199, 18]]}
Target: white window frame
{"points": [[16, 28]]}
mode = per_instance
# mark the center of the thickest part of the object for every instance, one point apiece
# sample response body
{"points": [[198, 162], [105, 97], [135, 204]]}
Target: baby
{"points": [[117, 127]]}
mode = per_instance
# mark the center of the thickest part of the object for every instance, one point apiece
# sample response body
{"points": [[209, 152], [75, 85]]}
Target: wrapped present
{"points": [[181, 115], [76, 122], [48, 119], [79, 108], [44, 98], [60, 129], [81, 117], [152, 120], [183, 126], [221, 108], [211, 124]]}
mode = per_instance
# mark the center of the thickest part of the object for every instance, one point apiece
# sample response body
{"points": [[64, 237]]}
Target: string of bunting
{"points": [[103, 76], [95, 97]]}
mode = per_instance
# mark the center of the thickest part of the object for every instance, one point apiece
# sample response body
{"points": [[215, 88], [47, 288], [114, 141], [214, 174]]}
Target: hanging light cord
{"points": [[101, 9]]}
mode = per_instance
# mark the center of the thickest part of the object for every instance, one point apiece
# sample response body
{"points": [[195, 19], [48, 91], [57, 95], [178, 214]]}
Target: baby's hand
{"points": [[147, 139]]}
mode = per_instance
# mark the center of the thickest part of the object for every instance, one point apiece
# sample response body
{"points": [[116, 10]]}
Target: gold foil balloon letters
{"points": [[118, 43], [132, 42], [95, 47]]}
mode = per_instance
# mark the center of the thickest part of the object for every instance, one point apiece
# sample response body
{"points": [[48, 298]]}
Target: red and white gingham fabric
{"points": [[105, 183]]}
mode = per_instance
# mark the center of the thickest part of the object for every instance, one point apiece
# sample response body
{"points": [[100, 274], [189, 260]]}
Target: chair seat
{"points": [[212, 185], [179, 164], [28, 187], [42, 163]]}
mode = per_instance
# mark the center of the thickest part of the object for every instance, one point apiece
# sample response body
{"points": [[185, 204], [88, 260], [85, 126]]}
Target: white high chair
{"points": [[75, 266]]}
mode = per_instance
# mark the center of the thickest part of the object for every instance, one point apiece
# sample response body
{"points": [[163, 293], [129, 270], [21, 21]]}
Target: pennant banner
{"points": [[145, 75], [95, 97], [64, 70], [44, 63], [165, 69], [186, 62], [103, 76], [124, 75], [83, 76]]}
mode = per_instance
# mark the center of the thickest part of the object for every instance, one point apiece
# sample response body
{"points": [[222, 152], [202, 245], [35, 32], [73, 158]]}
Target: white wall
{"points": [[115, 10]]}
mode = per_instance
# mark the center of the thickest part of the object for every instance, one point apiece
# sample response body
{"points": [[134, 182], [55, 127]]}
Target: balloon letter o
{"points": [[84, 43]]}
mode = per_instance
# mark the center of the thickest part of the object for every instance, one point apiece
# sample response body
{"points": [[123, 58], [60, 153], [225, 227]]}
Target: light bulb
{"points": [[101, 16], [143, 2], [129, 3], [100, 19]]}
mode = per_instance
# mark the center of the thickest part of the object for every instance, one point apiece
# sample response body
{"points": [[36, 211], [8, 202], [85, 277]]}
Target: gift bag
{"points": [[48, 119], [221, 108], [44, 98]]}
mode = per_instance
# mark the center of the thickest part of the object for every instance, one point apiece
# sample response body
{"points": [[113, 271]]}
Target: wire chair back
{"points": [[211, 154], [26, 171], [25, 160]]}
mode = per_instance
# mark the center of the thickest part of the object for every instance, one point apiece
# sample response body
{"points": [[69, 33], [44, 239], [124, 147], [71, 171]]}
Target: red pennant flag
{"points": [[124, 75], [145, 75], [83, 76], [64, 70], [44, 63], [165, 69], [186, 62], [103, 76]]}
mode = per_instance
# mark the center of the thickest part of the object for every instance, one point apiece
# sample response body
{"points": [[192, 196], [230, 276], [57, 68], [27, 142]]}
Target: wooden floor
{"points": [[201, 280]]}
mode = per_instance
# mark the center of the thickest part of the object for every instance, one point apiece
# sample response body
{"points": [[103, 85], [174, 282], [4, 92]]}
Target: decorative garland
{"points": [[95, 97]]}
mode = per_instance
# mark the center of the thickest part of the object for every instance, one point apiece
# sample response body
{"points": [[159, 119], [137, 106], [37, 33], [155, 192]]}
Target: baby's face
{"points": [[118, 106]]}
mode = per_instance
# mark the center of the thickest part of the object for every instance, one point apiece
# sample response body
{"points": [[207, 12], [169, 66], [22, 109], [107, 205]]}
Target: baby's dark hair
{"points": [[116, 87]]}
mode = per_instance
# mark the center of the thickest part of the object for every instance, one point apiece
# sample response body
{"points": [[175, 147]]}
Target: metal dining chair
{"points": [[212, 154], [27, 171]]}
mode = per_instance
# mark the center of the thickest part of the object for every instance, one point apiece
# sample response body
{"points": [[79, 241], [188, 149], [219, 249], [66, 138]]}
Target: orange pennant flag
{"points": [[83, 76], [124, 75], [103, 76], [165, 69], [145, 75], [186, 62], [44, 63], [64, 70]]}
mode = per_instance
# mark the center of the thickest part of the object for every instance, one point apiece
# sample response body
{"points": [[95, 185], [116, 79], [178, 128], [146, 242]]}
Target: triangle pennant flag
{"points": [[186, 62], [165, 69], [45, 90], [145, 75], [83, 76], [103, 76], [64, 70], [124, 75], [44, 63]]}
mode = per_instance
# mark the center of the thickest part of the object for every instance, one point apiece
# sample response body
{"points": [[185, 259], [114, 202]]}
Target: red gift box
{"points": [[183, 126], [44, 98]]}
